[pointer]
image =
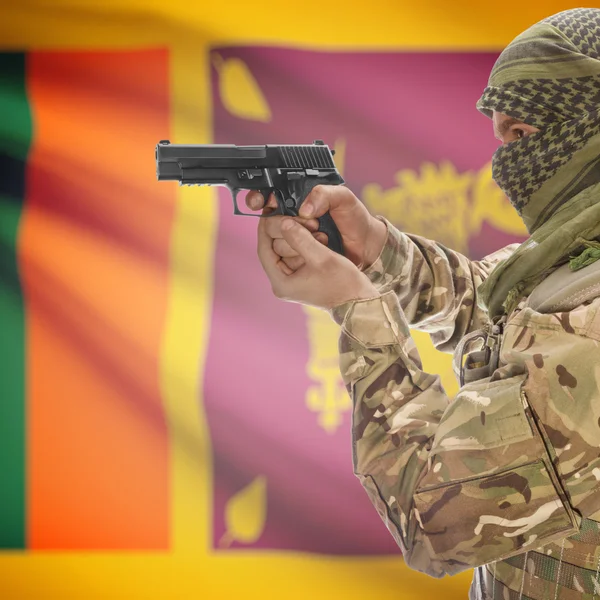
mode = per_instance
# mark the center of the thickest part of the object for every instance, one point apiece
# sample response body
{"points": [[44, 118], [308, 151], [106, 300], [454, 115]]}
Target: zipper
{"points": [[532, 417]]}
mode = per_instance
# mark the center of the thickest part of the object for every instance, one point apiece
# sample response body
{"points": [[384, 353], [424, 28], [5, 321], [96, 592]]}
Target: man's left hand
{"points": [[325, 280]]}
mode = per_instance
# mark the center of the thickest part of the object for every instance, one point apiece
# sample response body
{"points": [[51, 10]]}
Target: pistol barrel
{"points": [[173, 159]]}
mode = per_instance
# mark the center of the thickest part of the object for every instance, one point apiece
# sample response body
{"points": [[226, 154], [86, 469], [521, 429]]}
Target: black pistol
{"points": [[289, 172]]}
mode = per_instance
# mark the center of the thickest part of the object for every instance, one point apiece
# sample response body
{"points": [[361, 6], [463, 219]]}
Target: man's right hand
{"points": [[362, 234]]}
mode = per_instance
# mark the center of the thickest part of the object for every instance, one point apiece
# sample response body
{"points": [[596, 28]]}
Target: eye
{"points": [[520, 133]]}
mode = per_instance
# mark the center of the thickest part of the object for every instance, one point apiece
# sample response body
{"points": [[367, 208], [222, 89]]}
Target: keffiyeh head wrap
{"points": [[548, 77]]}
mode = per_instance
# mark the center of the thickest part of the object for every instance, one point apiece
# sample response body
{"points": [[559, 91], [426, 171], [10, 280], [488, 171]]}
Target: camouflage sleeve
{"points": [[436, 286], [453, 492]]}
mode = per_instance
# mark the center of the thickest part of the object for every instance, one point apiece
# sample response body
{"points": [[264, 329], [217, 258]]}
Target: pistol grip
{"points": [[327, 225]]}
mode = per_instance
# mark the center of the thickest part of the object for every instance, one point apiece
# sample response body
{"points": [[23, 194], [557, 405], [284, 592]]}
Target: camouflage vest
{"points": [[564, 570], [568, 569], [562, 291]]}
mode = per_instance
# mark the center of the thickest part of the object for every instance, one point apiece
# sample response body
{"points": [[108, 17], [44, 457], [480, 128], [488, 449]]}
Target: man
{"points": [[505, 476]]}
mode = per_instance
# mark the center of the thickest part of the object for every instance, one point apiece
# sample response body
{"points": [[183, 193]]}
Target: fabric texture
{"points": [[503, 477], [548, 77], [507, 468]]}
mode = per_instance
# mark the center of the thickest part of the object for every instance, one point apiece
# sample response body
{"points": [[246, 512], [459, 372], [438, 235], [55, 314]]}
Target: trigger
{"points": [[278, 208], [265, 194]]}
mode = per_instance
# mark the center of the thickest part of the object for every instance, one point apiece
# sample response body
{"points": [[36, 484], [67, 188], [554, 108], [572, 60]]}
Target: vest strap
{"points": [[563, 290]]}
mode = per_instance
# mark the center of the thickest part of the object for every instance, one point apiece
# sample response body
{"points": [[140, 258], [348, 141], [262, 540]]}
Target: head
{"points": [[543, 99]]}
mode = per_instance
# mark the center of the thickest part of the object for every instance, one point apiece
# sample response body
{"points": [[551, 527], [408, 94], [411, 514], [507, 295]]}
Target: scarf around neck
{"points": [[548, 77]]}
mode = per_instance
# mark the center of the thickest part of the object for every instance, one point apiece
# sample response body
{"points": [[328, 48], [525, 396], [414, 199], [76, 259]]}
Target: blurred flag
{"points": [[139, 375], [276, 406]]}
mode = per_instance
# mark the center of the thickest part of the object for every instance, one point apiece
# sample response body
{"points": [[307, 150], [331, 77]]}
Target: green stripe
{"points": [[15, 139]]}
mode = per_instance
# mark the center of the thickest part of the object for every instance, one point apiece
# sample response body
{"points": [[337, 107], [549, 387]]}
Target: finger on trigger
{"points": [[272, 202], [254, 200]]}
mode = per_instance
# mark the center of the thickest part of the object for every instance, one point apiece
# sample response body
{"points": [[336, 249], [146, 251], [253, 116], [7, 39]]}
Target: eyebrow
{"points": [[505, 126]]}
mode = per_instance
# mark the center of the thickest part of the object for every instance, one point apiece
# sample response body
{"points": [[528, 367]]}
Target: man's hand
{"points": [[362, 234], [325, 278]]}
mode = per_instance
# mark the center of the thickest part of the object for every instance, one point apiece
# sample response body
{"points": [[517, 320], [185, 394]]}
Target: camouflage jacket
{"points": [[512, 463]]}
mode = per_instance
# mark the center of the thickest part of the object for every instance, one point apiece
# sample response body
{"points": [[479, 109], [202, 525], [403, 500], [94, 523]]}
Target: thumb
{"points": [[322, 199], [302, 241]]}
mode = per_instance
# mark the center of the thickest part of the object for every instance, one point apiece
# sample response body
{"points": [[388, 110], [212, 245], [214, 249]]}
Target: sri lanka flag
{"points": [[169, 429]]}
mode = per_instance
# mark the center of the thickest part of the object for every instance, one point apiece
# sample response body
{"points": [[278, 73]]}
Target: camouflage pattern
{"points": [[538, 572], [508, 467], [436, 286]]}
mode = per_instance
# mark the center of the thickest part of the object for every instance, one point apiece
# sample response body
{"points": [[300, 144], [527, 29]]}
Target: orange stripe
{"points": [[94, 258]]}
